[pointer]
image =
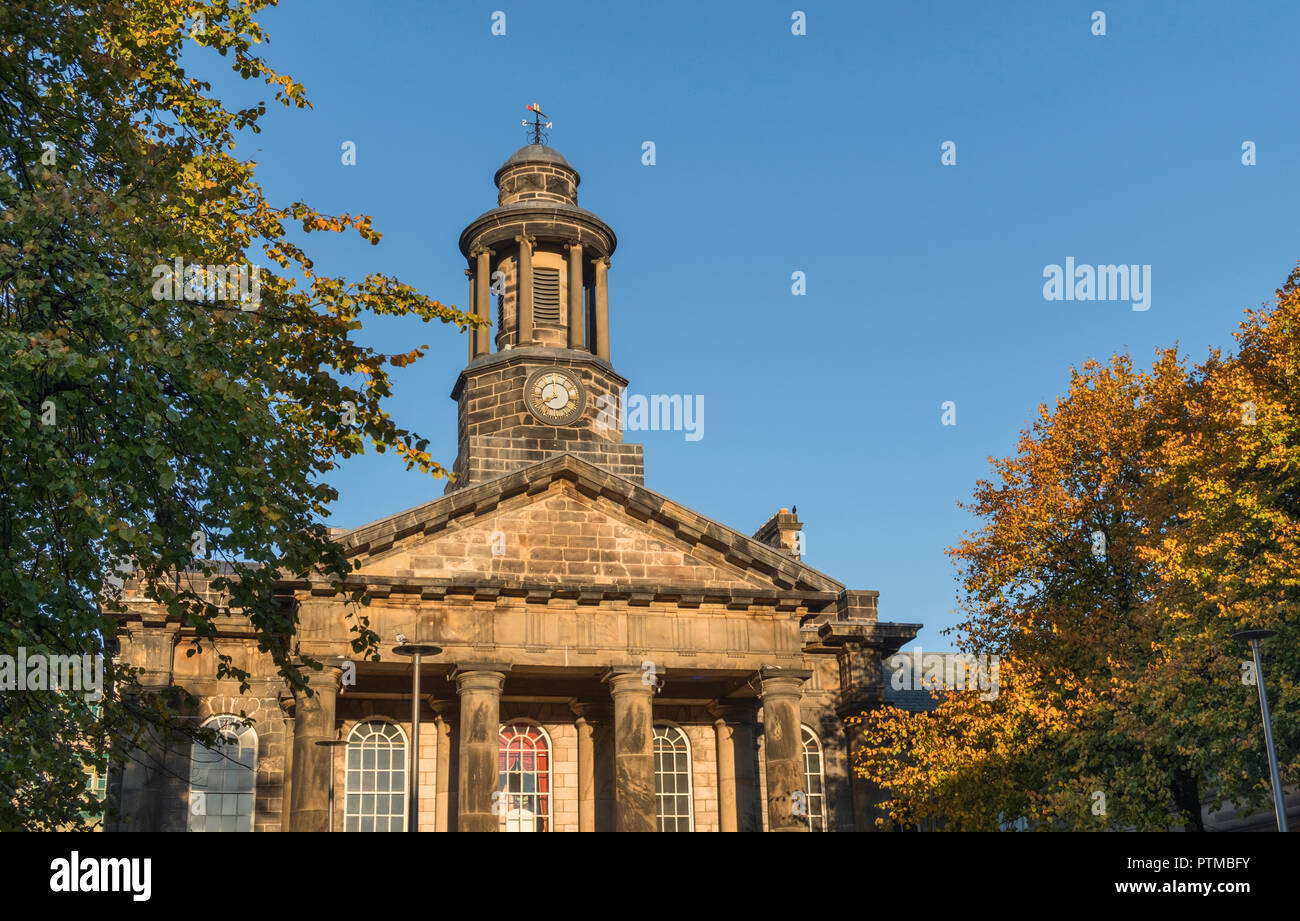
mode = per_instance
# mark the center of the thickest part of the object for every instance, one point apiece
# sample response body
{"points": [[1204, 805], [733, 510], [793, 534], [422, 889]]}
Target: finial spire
{"points": [[537, 131]]}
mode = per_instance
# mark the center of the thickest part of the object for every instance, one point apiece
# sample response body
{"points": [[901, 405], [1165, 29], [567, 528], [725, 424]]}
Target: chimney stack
{"points": [[782, 532]]}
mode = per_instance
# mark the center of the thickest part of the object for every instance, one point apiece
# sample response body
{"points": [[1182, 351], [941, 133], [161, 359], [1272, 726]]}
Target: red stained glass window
{"points": [[523, 800]]}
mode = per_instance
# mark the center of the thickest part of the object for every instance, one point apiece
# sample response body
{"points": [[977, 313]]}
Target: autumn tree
{"points": [[157, 422], [1142, 521], [1229, 562]]}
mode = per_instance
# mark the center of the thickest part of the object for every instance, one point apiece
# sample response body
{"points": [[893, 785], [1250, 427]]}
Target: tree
{"points": [[1141, 522], [174, 422], [1229, 562]]}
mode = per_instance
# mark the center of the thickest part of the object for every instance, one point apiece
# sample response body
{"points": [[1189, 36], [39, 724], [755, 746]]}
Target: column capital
{"points": [[328, 680], [625, 678], [734, 711], [486, 677], [445, 709], [152, 643], [591, 711], [776, 681], [478, 249], [528, 238], [287, 702], [601, 261]]}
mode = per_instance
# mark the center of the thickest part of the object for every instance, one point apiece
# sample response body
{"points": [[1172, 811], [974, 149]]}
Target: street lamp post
{"points": [[1254, 636], [331, 744], [415, 651]]}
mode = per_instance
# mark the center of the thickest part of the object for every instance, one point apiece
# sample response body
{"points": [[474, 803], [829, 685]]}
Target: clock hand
{"points": [[560, 399]]}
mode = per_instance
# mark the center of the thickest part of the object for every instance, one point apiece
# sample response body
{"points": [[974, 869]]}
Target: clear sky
{"points": [[818, 153]]}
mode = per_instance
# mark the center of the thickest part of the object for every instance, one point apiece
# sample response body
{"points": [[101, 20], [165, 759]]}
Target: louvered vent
{"points": [[546, 296]]}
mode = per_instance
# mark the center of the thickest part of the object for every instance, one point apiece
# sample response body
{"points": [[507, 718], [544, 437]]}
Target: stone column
{"points": [[287, 706], [473, 308], [728, 812], [744, 732], [479, 687], [482, 288], [159, 764], [780, 690], [602, 308], [524, 326], [576, 331], [866, 796], [312, 763], [588, 716], [603, 769], [634, 762], [444, 808]]}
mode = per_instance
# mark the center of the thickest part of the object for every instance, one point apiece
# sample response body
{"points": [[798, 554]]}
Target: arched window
{"points": [[376, 778], [223, 779], [673, 780], [524, 772], [814, 781]]}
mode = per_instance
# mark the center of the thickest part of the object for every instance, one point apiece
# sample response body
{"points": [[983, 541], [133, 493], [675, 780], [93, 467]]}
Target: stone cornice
{"points": [[545, 220], [636, 595], [887, 638], [534, 354]]}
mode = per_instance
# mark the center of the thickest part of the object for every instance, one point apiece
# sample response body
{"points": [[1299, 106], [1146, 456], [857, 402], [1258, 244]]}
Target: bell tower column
{"points": [[482, 288], [576, 338], [525, 325], [602, 307]]}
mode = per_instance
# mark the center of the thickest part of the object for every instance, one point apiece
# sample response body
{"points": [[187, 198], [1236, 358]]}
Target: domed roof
{"points": [[534, 153]]}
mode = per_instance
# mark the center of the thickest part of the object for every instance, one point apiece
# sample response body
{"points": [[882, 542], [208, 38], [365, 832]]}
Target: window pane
{"points": [[375, 796], [523, 762], [814, 781], [672, 779], [223, 778]]}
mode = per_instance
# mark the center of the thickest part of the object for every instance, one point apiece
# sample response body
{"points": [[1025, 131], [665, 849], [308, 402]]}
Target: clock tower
{"points": [[539, 380]]}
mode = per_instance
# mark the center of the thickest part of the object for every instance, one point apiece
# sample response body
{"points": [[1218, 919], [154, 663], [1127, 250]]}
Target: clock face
{"points": [[554, 396]]}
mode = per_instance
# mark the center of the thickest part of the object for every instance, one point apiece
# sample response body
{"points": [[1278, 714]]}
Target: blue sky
{"points": [[818, 153]]}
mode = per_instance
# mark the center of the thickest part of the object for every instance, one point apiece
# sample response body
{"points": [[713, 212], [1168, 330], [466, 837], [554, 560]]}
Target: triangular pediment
{"points": [[566, 522]]}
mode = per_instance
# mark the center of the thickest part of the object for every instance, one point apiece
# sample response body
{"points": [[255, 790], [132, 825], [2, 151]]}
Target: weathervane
{"points": [[537, 131]]}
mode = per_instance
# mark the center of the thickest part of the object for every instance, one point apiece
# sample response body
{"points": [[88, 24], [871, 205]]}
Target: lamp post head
{"points": [[417, 649], [1247, 636]]}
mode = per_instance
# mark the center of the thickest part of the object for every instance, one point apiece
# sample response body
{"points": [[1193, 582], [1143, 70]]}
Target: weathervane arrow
{"points": [[535, 127]]}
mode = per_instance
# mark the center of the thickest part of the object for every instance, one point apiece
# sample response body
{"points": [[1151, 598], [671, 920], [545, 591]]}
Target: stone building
{"points": [[610, 659]]}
